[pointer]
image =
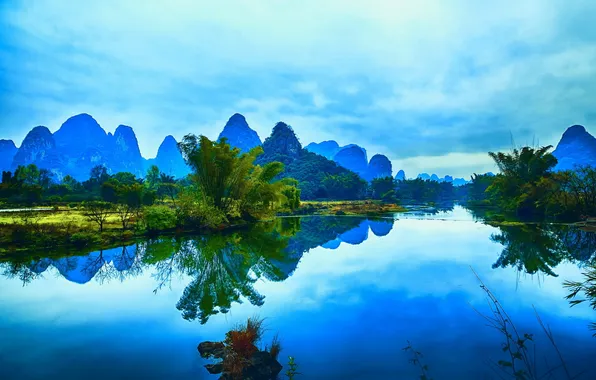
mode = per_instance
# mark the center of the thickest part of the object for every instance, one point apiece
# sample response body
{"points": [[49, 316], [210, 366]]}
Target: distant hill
{"points": [[309, 169], [354, 158], [576, 147], [169, 160], [7, 152], [81, 144], [239, 134]]}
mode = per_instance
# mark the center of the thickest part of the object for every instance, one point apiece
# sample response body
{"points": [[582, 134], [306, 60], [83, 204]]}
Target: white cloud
{"points": [[419, 78]]}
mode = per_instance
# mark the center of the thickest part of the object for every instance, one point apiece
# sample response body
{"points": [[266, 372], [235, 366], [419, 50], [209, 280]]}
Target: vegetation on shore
{"points": [[225, 189]]}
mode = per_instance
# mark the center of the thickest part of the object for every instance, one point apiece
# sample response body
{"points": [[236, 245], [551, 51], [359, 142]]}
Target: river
{"points": [[345, 295]]}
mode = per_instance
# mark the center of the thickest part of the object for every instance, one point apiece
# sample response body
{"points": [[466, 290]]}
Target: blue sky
{"points": [[433, 85]]}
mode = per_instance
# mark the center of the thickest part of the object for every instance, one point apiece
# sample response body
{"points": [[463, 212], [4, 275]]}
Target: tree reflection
{"points": [[221, 269], [534, 249]]}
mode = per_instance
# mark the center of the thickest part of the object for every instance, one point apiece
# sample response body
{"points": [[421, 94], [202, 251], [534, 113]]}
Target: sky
{"points": [[433, 85]]}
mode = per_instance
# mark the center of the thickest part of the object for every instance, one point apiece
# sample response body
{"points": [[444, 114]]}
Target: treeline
{"points": [[225, 188], [528, 188]]}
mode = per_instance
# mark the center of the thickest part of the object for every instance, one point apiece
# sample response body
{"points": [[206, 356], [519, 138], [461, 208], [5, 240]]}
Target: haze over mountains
{"points": [[81, 143]]}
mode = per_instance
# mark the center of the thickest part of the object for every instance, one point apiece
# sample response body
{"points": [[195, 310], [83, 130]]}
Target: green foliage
{"points": [[292, 368], [347, 185], [384, 189], [230, 182], [98, 212], [425, 191], [524, 180], [159, 218], [587, 288]]}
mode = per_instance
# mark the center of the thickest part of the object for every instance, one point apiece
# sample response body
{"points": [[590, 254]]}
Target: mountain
{"points": [[239, 134], [38, 147], [448, 178], [282, 143], [126, 155], [400, 176], [379, 166], [310, 169], [459, 182], [169, 159], [434, 177], [576, 147], [327, 149], [424, 176], [79, 145], [354, 158], [7, 151], [82, 144]]}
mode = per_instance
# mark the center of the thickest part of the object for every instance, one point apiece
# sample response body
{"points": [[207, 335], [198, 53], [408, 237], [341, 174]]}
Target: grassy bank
{"points": [[365, 207]]}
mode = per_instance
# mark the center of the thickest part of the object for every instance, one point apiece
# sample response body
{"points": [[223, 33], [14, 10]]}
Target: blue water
{"points": [[345, 297]]}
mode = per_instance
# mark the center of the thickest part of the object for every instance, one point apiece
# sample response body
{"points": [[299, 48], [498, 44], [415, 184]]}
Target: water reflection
{"points": [[370, 280], [222, 268], [532, 248]]}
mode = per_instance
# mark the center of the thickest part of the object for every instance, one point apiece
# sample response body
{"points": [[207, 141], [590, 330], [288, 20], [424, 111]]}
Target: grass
{"points": [[368, 207]]}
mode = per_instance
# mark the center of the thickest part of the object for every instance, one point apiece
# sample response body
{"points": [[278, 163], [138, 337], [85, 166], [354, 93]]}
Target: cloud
{"points": [[406, 79]]}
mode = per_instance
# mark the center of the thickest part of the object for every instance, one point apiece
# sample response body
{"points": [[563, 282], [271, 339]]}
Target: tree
{"points": [[99, 175], [381, 187], [515, 189], [97, 212], [229, 180], [152, 178]]}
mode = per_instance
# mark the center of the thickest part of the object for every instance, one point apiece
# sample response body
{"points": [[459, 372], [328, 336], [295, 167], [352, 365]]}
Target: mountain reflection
{"points": [[222, 268]]}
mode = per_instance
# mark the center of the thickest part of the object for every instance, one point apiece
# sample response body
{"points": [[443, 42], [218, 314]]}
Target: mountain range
{"points": [[81, 143]]}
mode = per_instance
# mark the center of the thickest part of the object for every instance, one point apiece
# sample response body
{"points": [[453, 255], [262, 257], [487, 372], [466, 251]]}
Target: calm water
{"points": [[344, 294]]}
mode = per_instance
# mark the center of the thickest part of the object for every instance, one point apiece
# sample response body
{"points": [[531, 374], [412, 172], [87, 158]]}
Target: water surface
{"points": [[344, 294]]}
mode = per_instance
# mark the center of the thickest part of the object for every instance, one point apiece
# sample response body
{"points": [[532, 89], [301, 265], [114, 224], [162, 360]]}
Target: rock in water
{"points": [[577, 147], [239, 134], [214, 369], [262, 366], [327, 149], [354, 158], [7, 152], [211, 349], [379, 166]]}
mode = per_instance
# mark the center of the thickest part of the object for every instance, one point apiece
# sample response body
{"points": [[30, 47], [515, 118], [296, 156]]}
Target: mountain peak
{"points": [[239, 134], [353, 157], [283, 141], [379, 166], [326, 148], [7, 144], [36, 148], [577, 147], [575, 130], [79, 132]]}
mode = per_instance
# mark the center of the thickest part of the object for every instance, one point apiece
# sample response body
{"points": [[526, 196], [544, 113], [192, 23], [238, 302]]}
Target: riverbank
{"points": [[69, 227], [365, 207]]}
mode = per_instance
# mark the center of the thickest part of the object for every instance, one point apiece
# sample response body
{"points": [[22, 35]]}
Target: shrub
{"points": [[159, 218]]}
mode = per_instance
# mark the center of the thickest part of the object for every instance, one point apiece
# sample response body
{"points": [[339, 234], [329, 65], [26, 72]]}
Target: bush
{"points": [[159, 218]]}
